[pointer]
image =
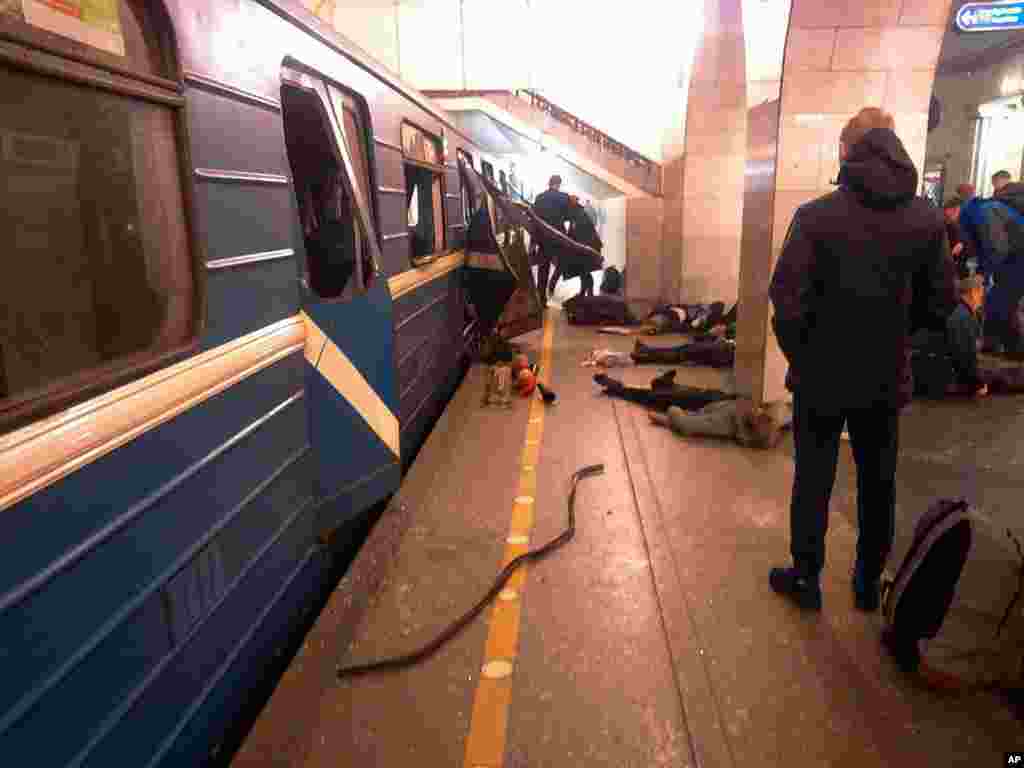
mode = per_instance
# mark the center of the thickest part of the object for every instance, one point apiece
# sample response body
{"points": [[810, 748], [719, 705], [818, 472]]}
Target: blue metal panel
{"points": [[431, 324], [408, 306], [354, 499], [346, 448], [244, 536], [362, 328], [58, 523], [200, 731], [55, 730], [217, 122], [237, 219], [195, 590], [395, 256], [249, 297], [152, 712], [48, 632]]}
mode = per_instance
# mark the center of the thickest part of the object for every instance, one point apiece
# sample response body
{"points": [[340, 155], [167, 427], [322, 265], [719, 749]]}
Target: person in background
{"points": [[960, 247], [965, 191], [995, 227], [552, 206], [872, 250], [999, 180], [1011, 193], [963, 334]]}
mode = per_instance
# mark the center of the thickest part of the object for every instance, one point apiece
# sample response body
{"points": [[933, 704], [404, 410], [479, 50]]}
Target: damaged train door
{"points": [[347, 308]]}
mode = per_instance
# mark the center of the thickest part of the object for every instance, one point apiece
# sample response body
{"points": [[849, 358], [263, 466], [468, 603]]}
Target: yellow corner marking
{"points": [[324, 355], [485, 743]]}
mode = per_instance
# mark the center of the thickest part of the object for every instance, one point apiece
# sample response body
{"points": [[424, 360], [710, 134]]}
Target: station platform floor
{"points": [[652, 637]]}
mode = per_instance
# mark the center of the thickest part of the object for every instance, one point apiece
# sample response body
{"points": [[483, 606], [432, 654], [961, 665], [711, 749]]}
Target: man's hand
{"points": [[982, 392], [958, 249]]}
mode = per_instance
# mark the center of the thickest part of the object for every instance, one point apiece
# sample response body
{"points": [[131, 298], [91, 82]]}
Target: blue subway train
{"points": [[234, 302]]}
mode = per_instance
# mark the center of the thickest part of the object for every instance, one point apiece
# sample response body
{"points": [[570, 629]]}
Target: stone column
{"points": [[840, 56], [704, 187]]}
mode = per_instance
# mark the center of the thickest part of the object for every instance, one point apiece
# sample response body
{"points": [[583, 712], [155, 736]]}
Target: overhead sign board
{"points": [[990, 17]]}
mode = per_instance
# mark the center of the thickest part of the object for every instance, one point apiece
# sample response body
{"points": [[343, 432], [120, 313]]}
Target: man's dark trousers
{"points": [[874, 437]]}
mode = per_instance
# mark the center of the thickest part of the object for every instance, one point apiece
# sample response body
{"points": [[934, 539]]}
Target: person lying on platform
{"points": [[740, 420], [664, 393], [716, 353]]}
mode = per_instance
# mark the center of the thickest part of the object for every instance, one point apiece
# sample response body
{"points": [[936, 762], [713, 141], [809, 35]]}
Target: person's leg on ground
{"points": [[816, 432], [874, 438]]}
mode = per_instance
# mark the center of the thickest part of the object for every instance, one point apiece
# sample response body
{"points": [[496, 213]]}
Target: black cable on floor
{"points": [[415, 657]]}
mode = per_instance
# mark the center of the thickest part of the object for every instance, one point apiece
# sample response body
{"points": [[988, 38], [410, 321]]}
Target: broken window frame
{"points": [[412, 158], [296, 75]]}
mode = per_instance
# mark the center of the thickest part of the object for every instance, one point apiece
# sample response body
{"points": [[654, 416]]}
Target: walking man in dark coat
{"points": [[855, 266], [552, 206]]}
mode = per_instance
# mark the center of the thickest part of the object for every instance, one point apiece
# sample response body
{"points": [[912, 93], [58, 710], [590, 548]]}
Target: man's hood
{"points": [[1013, 195], [879, 171]]}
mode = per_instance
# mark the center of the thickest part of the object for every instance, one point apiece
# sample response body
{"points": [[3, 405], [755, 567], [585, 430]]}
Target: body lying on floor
{"points": [[697, 412]]}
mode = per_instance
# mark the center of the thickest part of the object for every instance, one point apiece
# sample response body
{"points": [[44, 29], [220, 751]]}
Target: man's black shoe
{"points": [[803, 590]]}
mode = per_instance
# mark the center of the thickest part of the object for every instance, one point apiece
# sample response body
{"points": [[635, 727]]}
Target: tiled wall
{"points": [[704, 187], [842, 55]]}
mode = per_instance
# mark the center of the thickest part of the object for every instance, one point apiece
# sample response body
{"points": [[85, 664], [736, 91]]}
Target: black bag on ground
{"points": [[598, 310], [952, 610]]}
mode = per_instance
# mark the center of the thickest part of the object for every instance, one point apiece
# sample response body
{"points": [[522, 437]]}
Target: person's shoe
{"points": [[803, 590], [865, 594]]}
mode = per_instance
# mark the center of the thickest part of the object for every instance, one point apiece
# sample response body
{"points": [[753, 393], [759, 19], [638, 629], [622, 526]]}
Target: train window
{"points": [[99, 282], [334, 241], [504, 181], [424, 192], [487, 169]]}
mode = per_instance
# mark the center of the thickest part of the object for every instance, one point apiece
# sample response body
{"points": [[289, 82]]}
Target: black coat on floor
{"points": [[855, 266]]}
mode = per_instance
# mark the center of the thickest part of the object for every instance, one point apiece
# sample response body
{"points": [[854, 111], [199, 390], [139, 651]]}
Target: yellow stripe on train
{"points": [[324, 355]]}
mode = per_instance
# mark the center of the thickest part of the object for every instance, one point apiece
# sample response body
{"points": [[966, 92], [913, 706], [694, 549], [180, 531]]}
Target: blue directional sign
{"points": [[989, 17]]}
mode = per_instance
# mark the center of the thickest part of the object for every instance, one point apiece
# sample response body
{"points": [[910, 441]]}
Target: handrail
{"points": [[603, 140]]}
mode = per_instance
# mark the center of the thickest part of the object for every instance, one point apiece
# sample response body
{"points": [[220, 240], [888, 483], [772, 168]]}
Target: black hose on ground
{"points": [[415, 657]]}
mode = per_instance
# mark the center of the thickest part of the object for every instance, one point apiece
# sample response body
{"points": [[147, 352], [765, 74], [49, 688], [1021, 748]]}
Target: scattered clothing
{"points": [[716, 353], [732, 419], [607, 358], [664, 393]]}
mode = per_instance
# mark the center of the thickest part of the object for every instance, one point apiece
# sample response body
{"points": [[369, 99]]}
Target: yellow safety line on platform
{"points": [[485, 743]]}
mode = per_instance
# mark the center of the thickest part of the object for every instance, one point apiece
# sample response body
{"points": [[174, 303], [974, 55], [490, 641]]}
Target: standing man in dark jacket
{"points": [[853, 266], [552, 206]]}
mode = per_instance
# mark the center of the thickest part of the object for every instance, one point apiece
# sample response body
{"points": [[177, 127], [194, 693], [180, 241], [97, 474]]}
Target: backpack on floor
{"points": [[952, 610], [598, 310]]}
